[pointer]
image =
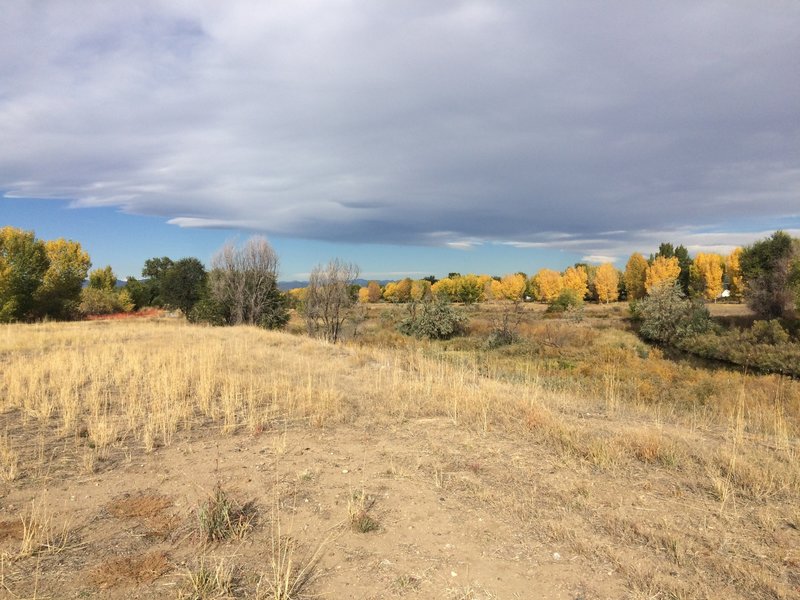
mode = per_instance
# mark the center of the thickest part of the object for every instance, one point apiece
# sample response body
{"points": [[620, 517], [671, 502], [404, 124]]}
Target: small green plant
{"points": [[358, 507], [221, 518]]}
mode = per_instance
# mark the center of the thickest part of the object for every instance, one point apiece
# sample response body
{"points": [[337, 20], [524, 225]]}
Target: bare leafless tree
{"points": [[329, 298], [245, 280]]}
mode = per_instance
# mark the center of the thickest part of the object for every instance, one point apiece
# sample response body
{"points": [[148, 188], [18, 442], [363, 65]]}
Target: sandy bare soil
{"points": [[441, 531]]}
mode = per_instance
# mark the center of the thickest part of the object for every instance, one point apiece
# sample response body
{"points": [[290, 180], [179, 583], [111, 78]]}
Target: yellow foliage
{"points": [[403, 290], [548, 285], [390, 291], [510, 287], [707, 270], [733, 270], [577, 279], [635, 275], [662, 271], [471, 288], [420, 290], [299, 294], [375, 292], [446, 287], [606, 282], [363, 295]]}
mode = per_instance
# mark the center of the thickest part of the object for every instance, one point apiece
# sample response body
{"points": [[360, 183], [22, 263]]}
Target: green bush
{"points": [[208, 311], [436, 319], [276, 311], [768, 332], [741, 348], [667, 316], [566, 300]]}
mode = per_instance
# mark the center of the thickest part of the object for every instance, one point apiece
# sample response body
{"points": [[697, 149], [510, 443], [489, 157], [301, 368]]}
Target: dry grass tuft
{"points": [[222, 518], [41, 534], [208, 581], [291, 570]]}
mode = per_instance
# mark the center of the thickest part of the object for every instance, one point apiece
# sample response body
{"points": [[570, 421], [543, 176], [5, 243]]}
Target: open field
{"points": [[153, 459]]}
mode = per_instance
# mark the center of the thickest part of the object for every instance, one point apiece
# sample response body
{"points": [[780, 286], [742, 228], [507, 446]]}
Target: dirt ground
{"points": [[429, 488]]}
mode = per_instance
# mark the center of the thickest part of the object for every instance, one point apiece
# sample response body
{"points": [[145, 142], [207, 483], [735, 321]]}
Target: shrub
{"points": [[95, 301], [567, 299], [436, 319], [667, 316], [768, 332], [208, 311]]}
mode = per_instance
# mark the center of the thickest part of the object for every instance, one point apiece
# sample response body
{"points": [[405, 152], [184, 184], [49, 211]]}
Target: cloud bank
{"points": [[456, 123]]}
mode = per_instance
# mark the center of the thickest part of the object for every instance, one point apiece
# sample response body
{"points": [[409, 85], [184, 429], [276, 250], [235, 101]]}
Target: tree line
{"points": [[42, 279], [766, 274]]}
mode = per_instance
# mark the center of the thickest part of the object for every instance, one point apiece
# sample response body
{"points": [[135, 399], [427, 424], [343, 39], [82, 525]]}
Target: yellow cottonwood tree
{"points": [[576, 279], [60, 292], [662, 271], [390, 291], [403, 290], [444, 287], [375, 292], [420, 290], [510, 287], [606, 282], [733, 271], [470, 288], [635, 274], [548, 285], [363, 295], [706, 275]]}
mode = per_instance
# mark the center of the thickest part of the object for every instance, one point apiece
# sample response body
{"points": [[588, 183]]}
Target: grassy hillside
{"points": [[158, 459]]}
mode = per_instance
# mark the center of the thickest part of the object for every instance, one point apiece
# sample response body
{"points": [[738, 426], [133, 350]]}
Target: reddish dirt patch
{"points": [[10, 530], [138, 507], [143, 568], [145, 313]]}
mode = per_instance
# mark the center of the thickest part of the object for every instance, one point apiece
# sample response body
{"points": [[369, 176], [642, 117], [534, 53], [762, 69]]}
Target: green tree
{"points": [[138, 293], [102, 297], [771, 272], [23, 264], [183, 284], [154, 271], [103, 279]]}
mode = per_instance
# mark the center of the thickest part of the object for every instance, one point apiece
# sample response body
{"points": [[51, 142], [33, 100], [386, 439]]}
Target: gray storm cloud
{"points": [[412, 123]]}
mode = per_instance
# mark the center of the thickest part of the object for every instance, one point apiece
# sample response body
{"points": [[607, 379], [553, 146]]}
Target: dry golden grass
{"points": [[81, 397]]}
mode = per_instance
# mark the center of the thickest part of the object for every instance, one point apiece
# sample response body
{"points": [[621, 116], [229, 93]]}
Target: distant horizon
{"points": [[125, 241]]}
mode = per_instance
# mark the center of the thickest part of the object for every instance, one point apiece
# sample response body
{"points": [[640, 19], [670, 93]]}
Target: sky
{"points": [[412, 138]]}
